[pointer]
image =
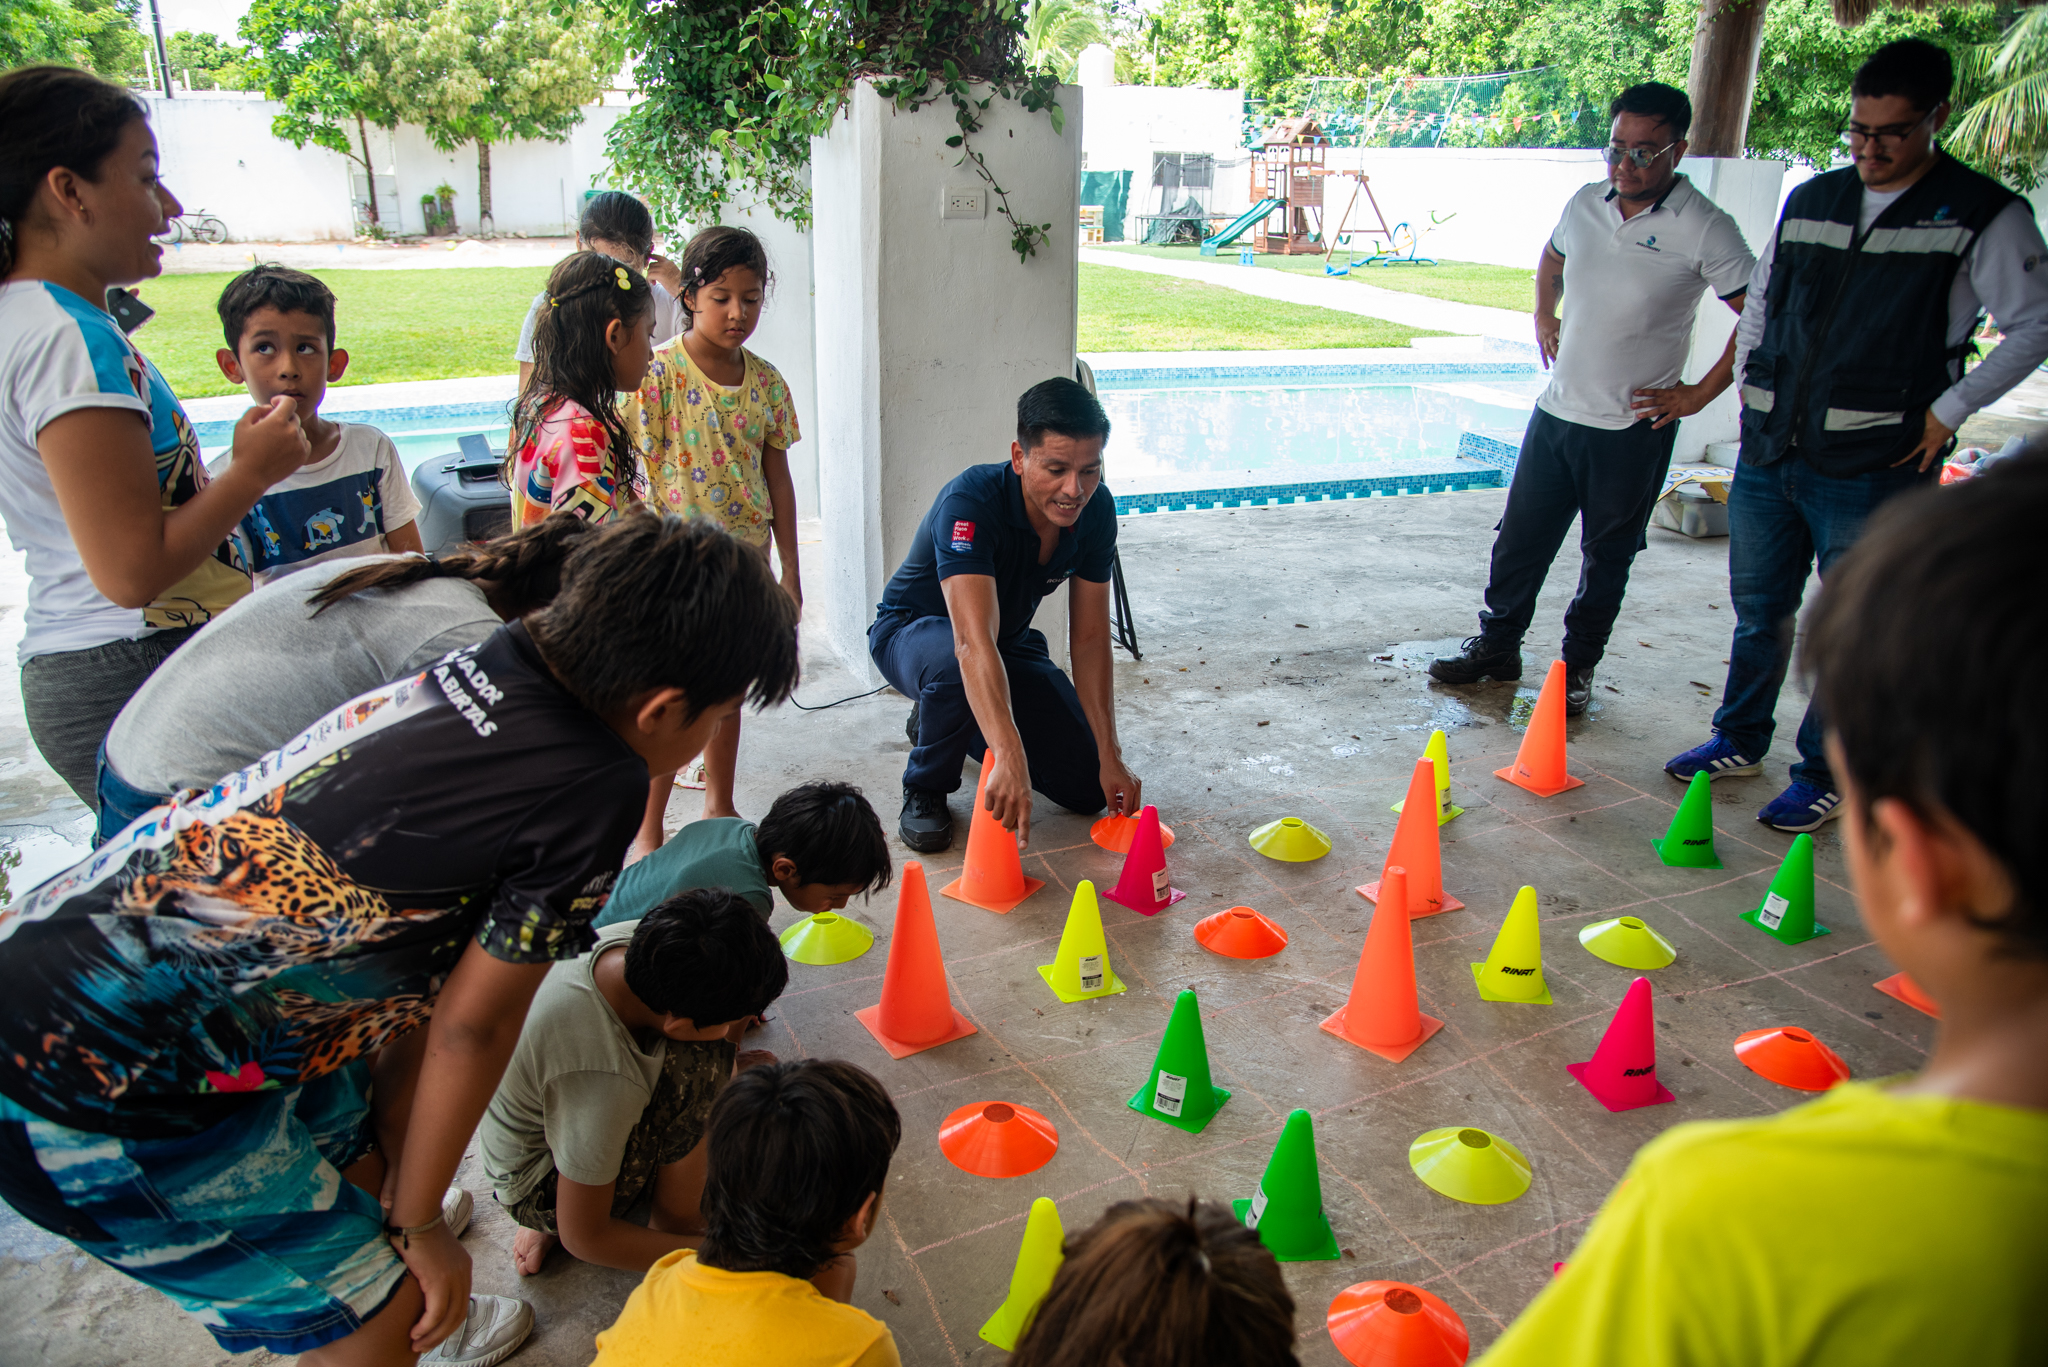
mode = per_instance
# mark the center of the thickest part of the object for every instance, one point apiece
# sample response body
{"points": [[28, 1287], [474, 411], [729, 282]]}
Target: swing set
{"points": [[1402, 240]]}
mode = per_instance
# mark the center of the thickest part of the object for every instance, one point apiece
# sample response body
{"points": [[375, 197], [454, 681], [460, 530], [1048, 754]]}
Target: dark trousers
{"points": [[916, 656], [1610, 481], [1783, 520], [72, 697]]}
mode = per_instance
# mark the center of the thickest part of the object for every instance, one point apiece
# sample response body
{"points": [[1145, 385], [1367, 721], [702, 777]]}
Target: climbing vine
{"points": [[734, 91]]}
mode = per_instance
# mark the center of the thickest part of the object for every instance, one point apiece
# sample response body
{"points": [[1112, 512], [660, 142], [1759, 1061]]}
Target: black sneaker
{"points": [[1578, 689], [926, 826], [910, 724], [1479, 659]]}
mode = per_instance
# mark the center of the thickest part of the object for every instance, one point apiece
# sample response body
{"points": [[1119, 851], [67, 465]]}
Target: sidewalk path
{"points": [[192, 258], [1345, 296]]}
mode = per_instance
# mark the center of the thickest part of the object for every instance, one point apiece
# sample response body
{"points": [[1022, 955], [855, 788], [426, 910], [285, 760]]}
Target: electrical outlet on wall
{"points": [[969, 201]]}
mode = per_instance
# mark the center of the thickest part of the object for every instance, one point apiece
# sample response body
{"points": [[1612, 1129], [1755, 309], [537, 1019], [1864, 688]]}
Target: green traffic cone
{"points": [[1179, 1091], [1688, 842], [1080, 970], [1438, 753], [1287, 1209], [1787, 912], [1038, 1258], [1513, 971]]}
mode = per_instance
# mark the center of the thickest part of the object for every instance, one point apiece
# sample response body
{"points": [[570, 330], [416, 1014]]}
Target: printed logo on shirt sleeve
{"points": [[963, 535]]}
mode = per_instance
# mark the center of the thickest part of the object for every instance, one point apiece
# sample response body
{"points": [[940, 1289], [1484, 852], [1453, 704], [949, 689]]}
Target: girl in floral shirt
{"points": [[571, 451], [716, 424]]}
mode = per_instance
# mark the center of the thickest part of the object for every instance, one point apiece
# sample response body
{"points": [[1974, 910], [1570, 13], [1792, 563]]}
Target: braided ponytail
{"points": [[525, 566]]}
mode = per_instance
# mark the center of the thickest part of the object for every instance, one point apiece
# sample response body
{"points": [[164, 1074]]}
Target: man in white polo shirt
{"points": [[1629, 258]]}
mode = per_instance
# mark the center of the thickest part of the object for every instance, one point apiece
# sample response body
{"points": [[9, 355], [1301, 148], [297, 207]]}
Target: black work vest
{"points": [[1855, 343]]}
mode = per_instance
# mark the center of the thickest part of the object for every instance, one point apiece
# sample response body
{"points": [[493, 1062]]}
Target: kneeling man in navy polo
{"points": [[953, 632]]}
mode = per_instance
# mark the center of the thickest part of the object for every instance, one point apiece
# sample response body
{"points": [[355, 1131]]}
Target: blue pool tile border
{"points": [[1224, 377], [1491, 451], [1321, 491], [497, 412]]}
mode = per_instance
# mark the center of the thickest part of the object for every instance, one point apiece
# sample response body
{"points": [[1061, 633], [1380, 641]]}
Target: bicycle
{"points": [[198, 226]]}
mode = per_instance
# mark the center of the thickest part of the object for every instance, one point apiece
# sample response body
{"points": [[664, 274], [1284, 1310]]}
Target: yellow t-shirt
{"points": [[702, 442], [688, 1315], [1858, 1229]]}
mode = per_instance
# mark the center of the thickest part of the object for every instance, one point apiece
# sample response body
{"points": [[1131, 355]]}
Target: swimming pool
{"points": [[1203, 436]]}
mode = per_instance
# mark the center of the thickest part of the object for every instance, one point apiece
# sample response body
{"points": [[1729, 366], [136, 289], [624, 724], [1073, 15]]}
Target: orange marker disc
{"points": [[1791, 1058], [997, 1139], [1392, 1324], [1114, 833], [1240, 933]]}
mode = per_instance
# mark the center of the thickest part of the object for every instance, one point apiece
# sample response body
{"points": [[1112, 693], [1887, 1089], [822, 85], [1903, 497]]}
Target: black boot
{"points": [[1578, 689], [926, 826], [1479, 659]]}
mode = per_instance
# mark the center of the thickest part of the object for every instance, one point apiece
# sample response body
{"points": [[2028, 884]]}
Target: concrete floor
{"points": [[1232, 719]]}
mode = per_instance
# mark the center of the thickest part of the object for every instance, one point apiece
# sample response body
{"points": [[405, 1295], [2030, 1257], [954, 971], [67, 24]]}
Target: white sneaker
{"points": [[455, 1209], [496, 1326]]}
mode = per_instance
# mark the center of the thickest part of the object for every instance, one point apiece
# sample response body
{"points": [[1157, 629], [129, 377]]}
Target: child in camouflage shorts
{"points": [[605, 1100]]}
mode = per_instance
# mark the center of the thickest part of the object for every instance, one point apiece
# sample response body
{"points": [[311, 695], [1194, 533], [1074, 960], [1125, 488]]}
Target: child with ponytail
{"points": [[571, 450], [716, 424]]}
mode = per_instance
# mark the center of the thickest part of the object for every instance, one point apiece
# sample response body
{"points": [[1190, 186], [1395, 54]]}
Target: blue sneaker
{"points": [[1716, 759], [1802, 807]]}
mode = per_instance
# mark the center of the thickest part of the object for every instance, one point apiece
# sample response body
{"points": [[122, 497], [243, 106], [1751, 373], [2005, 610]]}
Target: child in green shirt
{"points": [[1902, 1221], [821, 843]]}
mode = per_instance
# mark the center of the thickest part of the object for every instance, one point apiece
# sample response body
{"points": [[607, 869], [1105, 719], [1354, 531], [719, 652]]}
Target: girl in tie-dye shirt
{"points": [[570, 449]]}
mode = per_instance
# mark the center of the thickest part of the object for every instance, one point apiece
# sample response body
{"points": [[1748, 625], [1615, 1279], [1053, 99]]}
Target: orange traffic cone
{"points": [[1902, 988], [1381, 1016], [993, 876], [1392, 1324], [916, 1011], [1539, 764], [1415, 849]]}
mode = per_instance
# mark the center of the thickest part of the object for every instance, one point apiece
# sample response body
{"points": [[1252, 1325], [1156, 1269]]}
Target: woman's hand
{"points": [[269, 443]]}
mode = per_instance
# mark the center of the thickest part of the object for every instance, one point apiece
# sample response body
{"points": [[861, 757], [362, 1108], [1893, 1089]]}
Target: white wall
{"points": [[1127, 123], [218, 155], [927, 328], [787, 336]]}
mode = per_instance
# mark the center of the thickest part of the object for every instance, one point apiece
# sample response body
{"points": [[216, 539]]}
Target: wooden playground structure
{"points": [[1289, 178]]}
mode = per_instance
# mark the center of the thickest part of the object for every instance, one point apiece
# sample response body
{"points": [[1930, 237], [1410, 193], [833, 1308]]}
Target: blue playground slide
{"points": [[1256, 214]]}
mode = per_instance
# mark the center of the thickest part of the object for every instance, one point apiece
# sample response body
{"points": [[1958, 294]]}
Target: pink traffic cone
{"points": [[1143, 887], [1622, 1074]]}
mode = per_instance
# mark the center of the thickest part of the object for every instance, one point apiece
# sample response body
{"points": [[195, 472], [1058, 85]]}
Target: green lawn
{"points": [[395, 325], [449, 324], [1465, 282], [1125, 311]]}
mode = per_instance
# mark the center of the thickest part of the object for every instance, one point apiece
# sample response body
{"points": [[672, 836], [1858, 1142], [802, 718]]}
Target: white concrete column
{"points": [[1748, 192], [928, 327]]}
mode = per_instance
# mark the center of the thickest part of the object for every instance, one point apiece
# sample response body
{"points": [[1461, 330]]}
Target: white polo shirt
{"points": [[1631, 289]]}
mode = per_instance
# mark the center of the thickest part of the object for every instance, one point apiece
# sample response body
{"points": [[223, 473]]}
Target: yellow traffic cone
{"points": [[1513, 971]]}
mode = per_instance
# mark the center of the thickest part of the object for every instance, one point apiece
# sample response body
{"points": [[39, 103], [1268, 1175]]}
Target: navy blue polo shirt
{"points": [[977, 525]]}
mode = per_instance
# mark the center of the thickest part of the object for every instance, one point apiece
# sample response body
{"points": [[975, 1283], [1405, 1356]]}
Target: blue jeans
{"points": [[1782, 519], [915, 654], [120, 801], [1609, 481]]}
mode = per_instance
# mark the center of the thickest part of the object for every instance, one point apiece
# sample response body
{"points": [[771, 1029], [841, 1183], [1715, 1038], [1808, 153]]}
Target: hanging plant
{"points": [[735, 91]]}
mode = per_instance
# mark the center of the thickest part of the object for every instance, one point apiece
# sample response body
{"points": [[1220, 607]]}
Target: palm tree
{"points": [[2006, 132], [1056, 30]]}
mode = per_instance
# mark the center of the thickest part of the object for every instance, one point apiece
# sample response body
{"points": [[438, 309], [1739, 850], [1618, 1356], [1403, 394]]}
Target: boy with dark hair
{"points": [[1898, 1221], [821, 843], [953, 631], [605, 1100], [317, 969], [351, 497], [1857, 332], [799, 1153]]}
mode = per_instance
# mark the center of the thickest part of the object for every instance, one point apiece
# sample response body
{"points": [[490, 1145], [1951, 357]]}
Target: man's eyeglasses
{"points": [[1639, 157], [1891, 133]]}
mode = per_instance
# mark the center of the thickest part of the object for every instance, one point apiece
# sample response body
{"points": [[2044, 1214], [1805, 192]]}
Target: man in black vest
{"points": [[1856, 327]]}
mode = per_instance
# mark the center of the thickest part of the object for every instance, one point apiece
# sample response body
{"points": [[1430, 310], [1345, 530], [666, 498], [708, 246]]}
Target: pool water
{"points": [[1205, 430]]}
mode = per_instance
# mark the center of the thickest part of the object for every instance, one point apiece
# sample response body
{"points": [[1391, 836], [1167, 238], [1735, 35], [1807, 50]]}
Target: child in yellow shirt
{"points": [[1902, 1220], [715, 425], [798, 1155]]}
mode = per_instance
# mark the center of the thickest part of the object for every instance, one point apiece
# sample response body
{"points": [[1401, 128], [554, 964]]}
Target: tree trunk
{"points": [[369, 168], [1725, 47], [483, 187]]}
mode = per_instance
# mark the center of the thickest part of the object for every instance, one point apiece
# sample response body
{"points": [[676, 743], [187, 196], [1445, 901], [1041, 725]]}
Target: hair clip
{"points": [[625, 280]]}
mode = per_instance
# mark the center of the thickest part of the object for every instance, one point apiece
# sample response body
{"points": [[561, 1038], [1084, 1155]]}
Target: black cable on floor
{"points": [[823, 705]]}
